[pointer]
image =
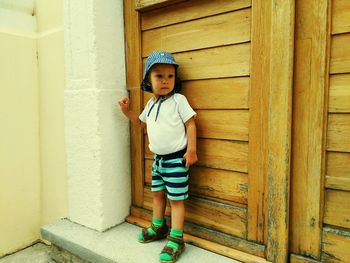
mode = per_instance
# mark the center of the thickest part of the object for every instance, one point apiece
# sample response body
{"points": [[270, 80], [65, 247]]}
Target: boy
{"points": [[171, 131]]}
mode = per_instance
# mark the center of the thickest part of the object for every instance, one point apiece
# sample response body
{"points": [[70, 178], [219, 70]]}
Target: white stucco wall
{"points": [[97, 135]]}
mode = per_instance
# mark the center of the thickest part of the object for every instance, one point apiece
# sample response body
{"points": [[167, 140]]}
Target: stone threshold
{"points": [[118, 244]]}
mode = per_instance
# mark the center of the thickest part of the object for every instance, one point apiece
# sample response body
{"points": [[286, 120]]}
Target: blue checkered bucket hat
{"points": [[159, 57]]}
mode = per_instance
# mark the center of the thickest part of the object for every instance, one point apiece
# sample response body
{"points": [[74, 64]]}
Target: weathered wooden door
{"points": [[227, 51], [320, 207]]}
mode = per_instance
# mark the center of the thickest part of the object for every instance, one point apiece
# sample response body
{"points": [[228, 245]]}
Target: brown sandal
{"points": [[161, 232], [175, 254]]}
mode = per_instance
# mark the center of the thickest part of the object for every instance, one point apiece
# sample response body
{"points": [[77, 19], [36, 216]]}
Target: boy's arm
{"points": [[191, 153], [134, 118]]}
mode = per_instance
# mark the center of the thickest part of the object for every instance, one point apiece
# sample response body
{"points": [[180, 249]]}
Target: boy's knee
{"points": [[176, 202]]}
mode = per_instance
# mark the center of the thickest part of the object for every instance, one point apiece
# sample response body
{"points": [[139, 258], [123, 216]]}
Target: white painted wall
{"points": [[54, 193], [97, 135], [19, 127]]}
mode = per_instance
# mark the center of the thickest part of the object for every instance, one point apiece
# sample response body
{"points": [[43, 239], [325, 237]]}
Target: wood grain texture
{"points": [[220, 154], [337, 208], [258, 108], [216, 183], [335, 245], [339, 93], [214, 215], [223, 124], [310, 91], [225, 29], [189, 10], [279, 128], [337, 183], [197, 235], [300, 259], [220, 62], [338, 164], [338, 171], [133, 80], [340, 16], [340, 54], [338, 138], [223, 154], [144, 5], [226, 93]]}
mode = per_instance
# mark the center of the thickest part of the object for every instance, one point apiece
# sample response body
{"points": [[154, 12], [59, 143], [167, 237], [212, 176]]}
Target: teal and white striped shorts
{"points": [[170, 173]]}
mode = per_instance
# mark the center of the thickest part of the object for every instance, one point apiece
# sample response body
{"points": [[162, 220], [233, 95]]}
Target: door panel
{"points": [[212, 42]]}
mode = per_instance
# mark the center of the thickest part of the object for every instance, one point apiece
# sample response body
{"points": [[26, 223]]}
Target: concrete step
{"points": [[118, 244]]}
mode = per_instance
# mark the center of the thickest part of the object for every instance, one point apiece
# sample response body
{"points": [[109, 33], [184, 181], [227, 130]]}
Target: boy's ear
{"points": [[148, 83]]}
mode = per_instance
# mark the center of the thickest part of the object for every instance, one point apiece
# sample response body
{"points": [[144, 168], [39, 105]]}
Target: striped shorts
{"points": [[170, 173]]}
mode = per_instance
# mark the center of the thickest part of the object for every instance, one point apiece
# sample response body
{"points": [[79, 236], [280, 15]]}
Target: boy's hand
{"points": [[191, 158], [124, 104]]}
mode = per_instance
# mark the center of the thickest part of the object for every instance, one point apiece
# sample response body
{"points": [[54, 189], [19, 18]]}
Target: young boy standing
{"points": [[171, 131]]}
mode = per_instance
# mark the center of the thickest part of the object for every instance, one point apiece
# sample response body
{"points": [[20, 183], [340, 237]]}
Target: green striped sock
{"points": [[157, 222], [173, 245]]}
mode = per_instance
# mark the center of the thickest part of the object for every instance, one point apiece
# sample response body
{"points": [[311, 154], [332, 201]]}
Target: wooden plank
{"points": [[309, 91], [338, 164], [337, 183], [336, 245], [220, 62], [258, 138], [338, 138], [214, 215], [189, 10], [340, 54], [223, 154], [220, 154], [227, 93], [339, 93], [228, 61], [338, 171], [279, 128], [225, 29], [300, 259], [144, 5], [337, 208], [231, 186], [137, 218], [301, 168], [216, 183], [133, 79], [223, 124], [340, 16]]}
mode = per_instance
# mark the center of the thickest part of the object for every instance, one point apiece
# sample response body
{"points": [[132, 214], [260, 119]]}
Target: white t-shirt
{"points": [[168, 133]]}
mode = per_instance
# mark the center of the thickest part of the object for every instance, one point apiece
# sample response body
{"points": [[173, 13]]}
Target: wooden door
{"points": [[320, 208], [230, 55]]}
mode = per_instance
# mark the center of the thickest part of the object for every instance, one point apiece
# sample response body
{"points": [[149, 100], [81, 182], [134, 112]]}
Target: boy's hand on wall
{"points": [[124, 104]]}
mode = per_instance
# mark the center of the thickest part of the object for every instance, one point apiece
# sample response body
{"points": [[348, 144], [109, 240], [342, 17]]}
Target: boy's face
{"points": [[162, 78]]}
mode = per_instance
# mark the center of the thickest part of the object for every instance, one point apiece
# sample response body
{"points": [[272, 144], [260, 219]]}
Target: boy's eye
{"points": [[170, 76], [159, 76]]}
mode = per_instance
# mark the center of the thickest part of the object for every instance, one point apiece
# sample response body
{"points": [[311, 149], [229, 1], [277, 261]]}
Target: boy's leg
{"points": [[177, 214], [159, 204], [177, 223]]}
